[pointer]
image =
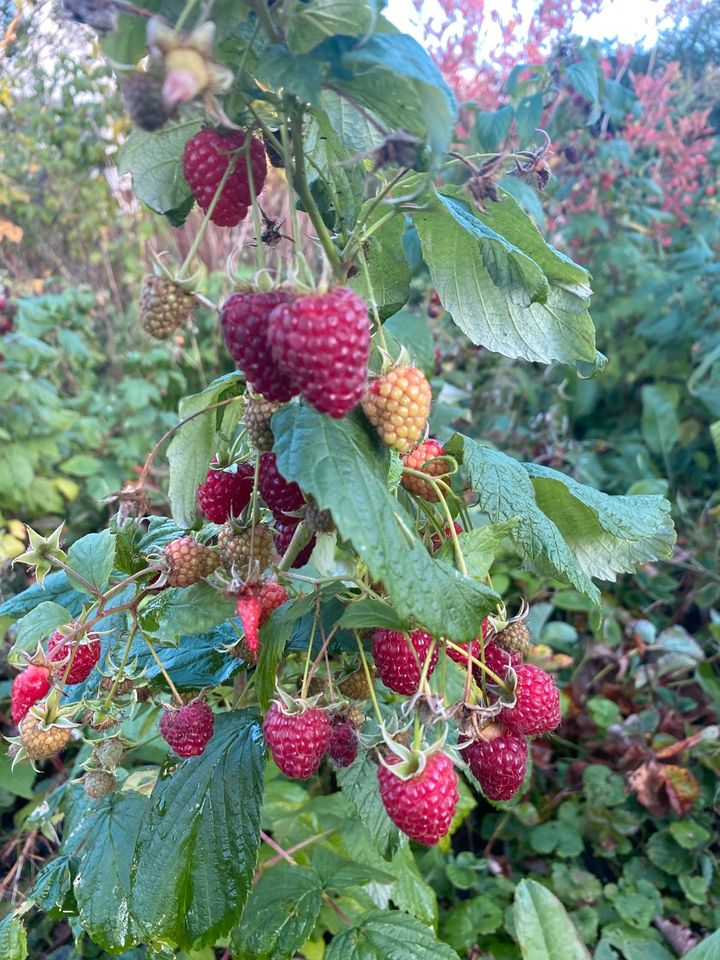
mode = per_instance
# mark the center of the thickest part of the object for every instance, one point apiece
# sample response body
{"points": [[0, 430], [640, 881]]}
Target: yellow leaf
{"points": [[68, 488], [17, 529], [10, 231], [10, 547]]}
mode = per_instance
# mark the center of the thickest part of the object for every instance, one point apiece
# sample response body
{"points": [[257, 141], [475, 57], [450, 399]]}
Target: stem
{"points": [[163, 671], [184, 14], [260, 8], [208, 214], [300, 539], [121, 668], [373, 301], [90, 587], [368, 677], [460, 559], [478, 663], [323, 651], [303, 191], [308, 653]]}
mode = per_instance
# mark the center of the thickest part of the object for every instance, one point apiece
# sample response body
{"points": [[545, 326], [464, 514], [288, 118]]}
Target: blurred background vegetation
{"points": [[621, 819]]}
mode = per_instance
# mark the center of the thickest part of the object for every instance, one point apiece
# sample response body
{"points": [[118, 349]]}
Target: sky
{"points": [[625, 20]]}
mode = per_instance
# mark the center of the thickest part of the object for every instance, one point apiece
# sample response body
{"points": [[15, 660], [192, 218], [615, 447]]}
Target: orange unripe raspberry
{"points": [[398, 404], [424, 458]]}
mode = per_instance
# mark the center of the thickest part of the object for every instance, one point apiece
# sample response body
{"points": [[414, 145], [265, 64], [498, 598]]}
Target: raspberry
{"points": [[515, 638], [245, 552], [143, 99], [188, 730], [272, 595], [397, 405], [320, 521], [399, 658], [188, 561], [205, 161], [226, 492], [86, 655], [164, 306], [281, 497], [423, 806], [27, 688], [343, 746], [537, 709], [322, 344], [424, 458], [257, 416], [40, 740], [249, 609], [497, 660], [245, 324], [297, 741], [98, 784], [435, 539], [356, 716], [109, 753], [284, 533], [355, 686], [498, 759]]}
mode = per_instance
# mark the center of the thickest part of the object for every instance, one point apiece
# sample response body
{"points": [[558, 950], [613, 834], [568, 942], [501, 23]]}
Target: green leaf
{"points": [[342, 466], [660, 426], [493, 126], [709, 949], [102, 883], [689, 834], [55, 589], [309, 23], [18, 782], [370, 613], [92, 557], [36, 626], [198, 843], [413, 894], [338, 873], [695, 888], [584, 79], [155, 161], [52, 884], [359, 784], [182, 611], [82, 465], [637, 944], [280, 913], [274, 637], [603, 787], [479, 546], [464, 924], [13, 939], [197, 661], [337, 183], [196, 441], [413, 332], [542, 926], [387, 266], [505, 288], [388, 935]]}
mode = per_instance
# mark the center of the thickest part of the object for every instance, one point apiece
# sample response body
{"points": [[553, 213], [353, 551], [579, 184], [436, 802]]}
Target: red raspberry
{"points": [[424, 458], [284, 534], [188, 730], [280, 496], [397, 404], [537, 709], [435, 539], [399, 658], [498, 759], [226, 492], [188, 561], [245, 324], [297, 741], [272, 595], [27, 688], [497, 660], [86, 656], [322, 344], [423, 806], [474, 646], [343, 747], [205, 161], [249, 609]]}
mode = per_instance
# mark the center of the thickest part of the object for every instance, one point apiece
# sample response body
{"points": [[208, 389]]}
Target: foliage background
{"points": [[620, 821]]}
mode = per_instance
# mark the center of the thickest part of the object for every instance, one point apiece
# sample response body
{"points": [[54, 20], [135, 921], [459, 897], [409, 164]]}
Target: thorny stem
{"points": [[163, 671], [368, 677], [121, 669]]}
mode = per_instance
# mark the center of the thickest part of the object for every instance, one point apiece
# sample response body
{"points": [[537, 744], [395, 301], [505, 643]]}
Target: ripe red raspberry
{"points": [[27, 688], [424, 458], [249, 609], [498, 759], [205, 161], [187, 730], [226, 492], [86, 656], [343, 746], [399, 658], [280, 496], [423, 806], [245, 323], [284, 533], [435, 539], [297, 741], [188, 561], [245, 552], [398, 404], [322, 344], [537, 709], [497, 660]]}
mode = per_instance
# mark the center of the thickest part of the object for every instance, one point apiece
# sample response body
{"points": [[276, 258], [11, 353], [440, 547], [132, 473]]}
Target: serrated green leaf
{"points": [[465, 924], [584, 77], [92, 557], [55, 589], [309, 23], [194, 444], [52, 884], [339, 183], [359, 784], [155, 161], [388, 935], [198, 843], [102, 882], [188, 610], [479, 546], [37, 625], [197, 661], [13, 939], [280, 913], [370, 613], [341, 464], [542, 926], [387, 282], [660, 426], [337, 873], [274, 637], [413, 894]]}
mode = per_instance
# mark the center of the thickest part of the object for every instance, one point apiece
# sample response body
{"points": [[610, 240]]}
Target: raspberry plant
{"points": [[233, 662]]}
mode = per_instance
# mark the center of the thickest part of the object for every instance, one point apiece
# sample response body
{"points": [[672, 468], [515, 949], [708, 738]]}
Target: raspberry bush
{"points": [[238, 641]]}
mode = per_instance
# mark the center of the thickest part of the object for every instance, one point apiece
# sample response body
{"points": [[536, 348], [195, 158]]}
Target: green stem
{"points": [[121, 668], [206, 219], [260, 7], [478, 663], [460, 559], [368, 677], [300, 539], [163, 671], [373, 301], [185, 13], [308, 653]]}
